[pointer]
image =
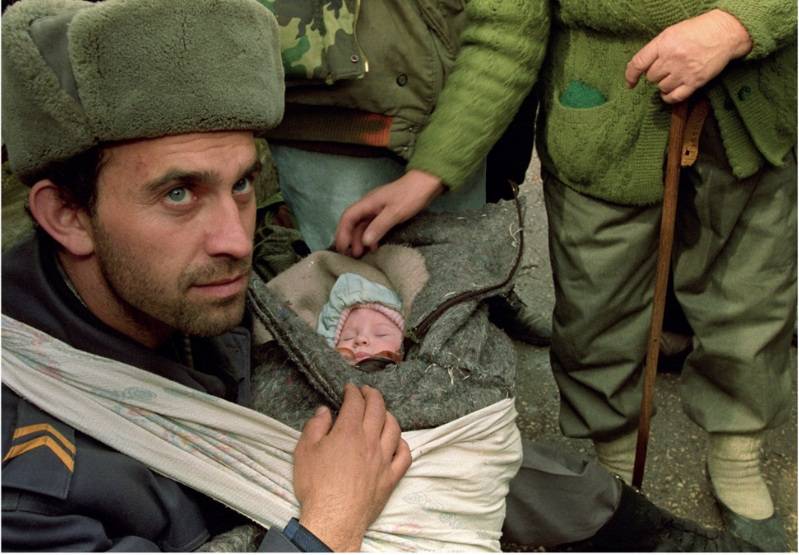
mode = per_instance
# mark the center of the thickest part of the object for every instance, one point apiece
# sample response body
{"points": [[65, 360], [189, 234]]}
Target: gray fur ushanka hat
{"points": [[77, 74]]}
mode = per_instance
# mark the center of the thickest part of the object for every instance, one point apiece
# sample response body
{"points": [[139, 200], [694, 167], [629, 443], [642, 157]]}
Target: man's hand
{"points": [[345, 472], [687, 55], [366, 222]]}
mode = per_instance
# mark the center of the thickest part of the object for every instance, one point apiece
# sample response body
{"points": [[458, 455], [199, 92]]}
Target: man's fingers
{"points": [[352, 407], [343, 236], [356, 244], [669, 84], [379, 227], [363, 210], [678, 95], [401, 462], [317, 426], [374, 414], [349, 220], [389, 439], [640, 63], [657, 71]]}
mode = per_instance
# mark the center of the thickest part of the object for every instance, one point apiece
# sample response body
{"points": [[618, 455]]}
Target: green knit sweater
{"points": [[502, 48], [615, 148]]}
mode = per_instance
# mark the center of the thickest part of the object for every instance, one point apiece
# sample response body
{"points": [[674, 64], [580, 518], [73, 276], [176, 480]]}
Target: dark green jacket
{"points": [[441, 79], [393, 63]]}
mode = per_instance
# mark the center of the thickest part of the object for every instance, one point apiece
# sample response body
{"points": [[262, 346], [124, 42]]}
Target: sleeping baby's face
{"points": [[367, 332]]}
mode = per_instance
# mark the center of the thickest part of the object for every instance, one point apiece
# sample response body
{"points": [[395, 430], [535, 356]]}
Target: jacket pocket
{"points": [[582, 143]]}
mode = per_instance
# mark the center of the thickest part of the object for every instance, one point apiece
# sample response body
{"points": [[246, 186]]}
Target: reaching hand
{"points": [[345, 472], [687, 55], [363, 224]]}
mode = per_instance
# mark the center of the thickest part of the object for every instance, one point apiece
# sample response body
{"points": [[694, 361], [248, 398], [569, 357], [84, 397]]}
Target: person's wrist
{"points": [[736, 33], [338, 536], [303, 538], [427, 182]]}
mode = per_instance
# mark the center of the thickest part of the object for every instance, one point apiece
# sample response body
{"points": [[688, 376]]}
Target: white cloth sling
{"points": [[452, 497]]}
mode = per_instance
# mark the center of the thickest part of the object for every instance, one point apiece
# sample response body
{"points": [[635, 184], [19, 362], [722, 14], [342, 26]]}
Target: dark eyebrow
{"points": [[177, 176], [254, 168], [181, 176]]}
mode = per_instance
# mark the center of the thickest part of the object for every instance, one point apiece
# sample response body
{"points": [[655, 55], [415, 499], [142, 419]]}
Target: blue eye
{"points": [[243, 185], [178, 195]]}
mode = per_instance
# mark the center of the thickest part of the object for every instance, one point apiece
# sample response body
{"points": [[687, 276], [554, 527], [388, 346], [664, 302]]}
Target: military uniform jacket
{"points": [[61, 489], [365, 58]]}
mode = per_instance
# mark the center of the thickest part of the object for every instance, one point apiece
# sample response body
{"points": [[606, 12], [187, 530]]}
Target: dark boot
{"points": [[640, 525], [767, 534], [520, 321]]}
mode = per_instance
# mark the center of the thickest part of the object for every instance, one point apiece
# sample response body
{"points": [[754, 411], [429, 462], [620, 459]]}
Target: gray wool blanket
{"points": [[445, 267]]}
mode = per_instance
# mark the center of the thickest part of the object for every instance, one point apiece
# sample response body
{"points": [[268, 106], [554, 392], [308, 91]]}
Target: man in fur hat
{"points": [[133, 123]]}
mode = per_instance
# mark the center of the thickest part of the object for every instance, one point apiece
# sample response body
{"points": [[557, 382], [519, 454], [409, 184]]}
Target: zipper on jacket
{"points": [[361, 52]]}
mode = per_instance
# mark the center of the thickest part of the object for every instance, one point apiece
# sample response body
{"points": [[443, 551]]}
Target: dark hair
{"points": [[76, 178]]}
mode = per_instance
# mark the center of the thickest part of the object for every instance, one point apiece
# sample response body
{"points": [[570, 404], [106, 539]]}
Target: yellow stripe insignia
{"points": [[58, 444]]}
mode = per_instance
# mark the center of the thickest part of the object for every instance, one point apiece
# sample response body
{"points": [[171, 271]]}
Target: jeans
{"points": [[318, 187]]}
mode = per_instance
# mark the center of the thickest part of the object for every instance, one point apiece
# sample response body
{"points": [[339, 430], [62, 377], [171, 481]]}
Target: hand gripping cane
{"points": [[682, 151]]}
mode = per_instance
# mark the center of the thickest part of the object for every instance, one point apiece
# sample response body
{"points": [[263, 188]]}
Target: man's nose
{"points": [[230, 230]]}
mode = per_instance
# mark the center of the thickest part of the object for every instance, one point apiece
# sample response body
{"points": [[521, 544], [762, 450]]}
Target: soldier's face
{"points": [[172, 230]]}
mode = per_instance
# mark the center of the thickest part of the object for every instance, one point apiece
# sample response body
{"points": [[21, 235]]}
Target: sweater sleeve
{"points": [[502, 47], [771, 23]]}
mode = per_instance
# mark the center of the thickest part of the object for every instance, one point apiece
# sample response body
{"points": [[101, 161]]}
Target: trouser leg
{"points": [[558, 497], [318, 187], [603, 262], [735, 277]]}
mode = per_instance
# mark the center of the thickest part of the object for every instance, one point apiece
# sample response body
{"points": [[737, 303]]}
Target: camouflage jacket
{"points": [[318, 39], [384, 57]]}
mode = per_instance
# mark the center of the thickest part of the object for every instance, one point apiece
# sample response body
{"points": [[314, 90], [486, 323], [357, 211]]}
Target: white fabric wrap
{"points": [[451, 499]]}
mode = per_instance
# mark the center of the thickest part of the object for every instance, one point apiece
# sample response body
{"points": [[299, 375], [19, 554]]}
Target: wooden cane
{"points": [[679, 114]]}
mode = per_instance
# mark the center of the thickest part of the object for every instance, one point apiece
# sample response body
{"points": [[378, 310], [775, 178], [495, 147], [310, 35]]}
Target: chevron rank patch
{"points": [[41, 454]]}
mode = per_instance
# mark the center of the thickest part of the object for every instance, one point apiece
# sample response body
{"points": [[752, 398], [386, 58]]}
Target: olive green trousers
{"points": [[734, 272]]}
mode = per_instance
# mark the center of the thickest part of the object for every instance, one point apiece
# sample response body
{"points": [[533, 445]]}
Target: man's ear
{"points": [[69, 225]]}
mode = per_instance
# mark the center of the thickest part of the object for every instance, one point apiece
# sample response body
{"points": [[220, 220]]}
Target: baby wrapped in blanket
{"points": [[362, 320], [453, 387]]}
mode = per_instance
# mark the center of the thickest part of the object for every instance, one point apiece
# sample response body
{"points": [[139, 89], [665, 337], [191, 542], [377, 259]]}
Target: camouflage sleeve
{"points": [[318, 40], [240, 539]]}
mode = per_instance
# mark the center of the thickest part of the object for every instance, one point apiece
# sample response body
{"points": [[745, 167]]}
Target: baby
{"points": [[362, 320]]}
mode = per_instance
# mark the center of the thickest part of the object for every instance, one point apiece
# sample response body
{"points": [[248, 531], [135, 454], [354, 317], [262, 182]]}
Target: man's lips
{"points": [[224, 287]]}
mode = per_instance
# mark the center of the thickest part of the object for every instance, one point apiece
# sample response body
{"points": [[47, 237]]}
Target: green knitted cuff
{"points": [[451, 176], [770, 27]]}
